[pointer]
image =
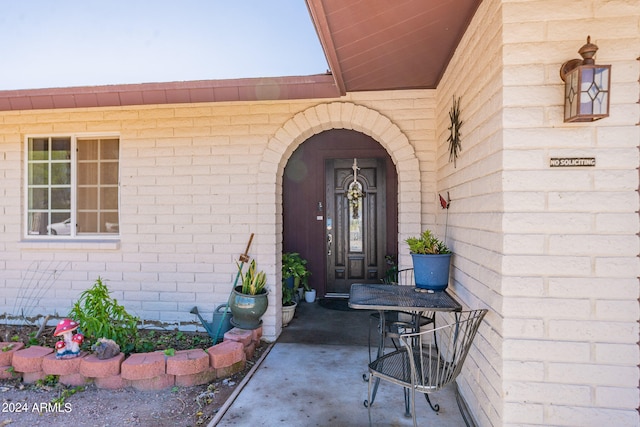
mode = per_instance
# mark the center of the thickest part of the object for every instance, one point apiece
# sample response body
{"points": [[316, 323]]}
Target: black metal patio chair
{"points": [[427, 361], [397, 322]]}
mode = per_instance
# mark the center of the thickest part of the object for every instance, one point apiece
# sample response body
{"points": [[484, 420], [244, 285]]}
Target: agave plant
{"points": [[253, 282], [426, 244]]}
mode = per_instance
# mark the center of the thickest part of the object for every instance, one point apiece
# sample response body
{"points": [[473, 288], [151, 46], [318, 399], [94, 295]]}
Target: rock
{"points": [[106, 348]]}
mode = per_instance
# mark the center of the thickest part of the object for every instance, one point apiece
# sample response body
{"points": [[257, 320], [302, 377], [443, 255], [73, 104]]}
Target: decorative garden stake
{"points": [[455, 145], [445, 203], [69, 347]]}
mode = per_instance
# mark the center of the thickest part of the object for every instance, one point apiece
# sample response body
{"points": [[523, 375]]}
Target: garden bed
{"points": [[48, 403], [150, 339]]}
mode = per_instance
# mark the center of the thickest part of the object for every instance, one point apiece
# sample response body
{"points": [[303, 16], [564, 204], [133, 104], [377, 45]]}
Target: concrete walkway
{"points": [[322, 385], [307, 381]]}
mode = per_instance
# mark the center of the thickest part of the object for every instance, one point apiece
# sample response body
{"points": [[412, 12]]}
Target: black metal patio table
{"points": [[398, 297], [411, 299]]}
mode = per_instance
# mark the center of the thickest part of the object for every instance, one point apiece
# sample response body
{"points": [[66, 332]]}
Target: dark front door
{"points": [[355, 222], [305, 201]]}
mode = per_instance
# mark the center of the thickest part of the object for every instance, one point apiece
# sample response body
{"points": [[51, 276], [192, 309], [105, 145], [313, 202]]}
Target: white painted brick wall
{"points": [[190, 192], [552, 253], [566, 252]]}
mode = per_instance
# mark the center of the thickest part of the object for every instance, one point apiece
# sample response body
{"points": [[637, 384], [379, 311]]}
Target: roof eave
{"points": [[319, 18], [249, 89]]}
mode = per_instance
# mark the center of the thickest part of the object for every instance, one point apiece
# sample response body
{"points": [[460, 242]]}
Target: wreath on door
{"points": [[354, 194]]}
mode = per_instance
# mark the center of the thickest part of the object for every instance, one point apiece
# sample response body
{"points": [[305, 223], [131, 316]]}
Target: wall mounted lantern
{"points": [[586, 86]]}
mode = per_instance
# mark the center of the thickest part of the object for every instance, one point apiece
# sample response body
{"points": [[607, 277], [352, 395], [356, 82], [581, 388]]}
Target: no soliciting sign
{"points": [[568, 162]]}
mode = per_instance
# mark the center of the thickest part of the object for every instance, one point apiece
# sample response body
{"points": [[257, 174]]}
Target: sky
{"points": [[62, 43]]}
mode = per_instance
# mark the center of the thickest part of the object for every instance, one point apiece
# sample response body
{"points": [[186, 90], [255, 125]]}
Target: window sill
{"points": [[93, 244]]}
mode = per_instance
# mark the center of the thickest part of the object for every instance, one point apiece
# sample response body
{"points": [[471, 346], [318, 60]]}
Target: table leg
{"points": [[383, 326], [407, 403], [406, 391], [407, 398]]}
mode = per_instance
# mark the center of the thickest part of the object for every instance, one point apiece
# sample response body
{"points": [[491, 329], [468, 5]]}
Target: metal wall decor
{"points": [[354, 191], [455, 145]]}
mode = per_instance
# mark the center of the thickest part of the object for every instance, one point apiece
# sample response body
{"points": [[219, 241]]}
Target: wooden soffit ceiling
{"points": [[390, 44]]}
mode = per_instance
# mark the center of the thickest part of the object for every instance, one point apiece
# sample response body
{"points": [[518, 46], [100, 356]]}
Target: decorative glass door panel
{"points": [[355, 223]]}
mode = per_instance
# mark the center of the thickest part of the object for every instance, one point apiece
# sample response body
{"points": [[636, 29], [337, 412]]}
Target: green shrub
{"points": [[100, 316]]}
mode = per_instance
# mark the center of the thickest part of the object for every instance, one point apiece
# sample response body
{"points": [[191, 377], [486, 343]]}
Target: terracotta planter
{"points": [[247, 310]]}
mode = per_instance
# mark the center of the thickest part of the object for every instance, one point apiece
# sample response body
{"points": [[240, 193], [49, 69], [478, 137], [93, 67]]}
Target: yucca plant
{"points": [[253, 281]]}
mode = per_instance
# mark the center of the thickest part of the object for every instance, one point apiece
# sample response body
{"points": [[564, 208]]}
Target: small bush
{"points": [[100, 316]]}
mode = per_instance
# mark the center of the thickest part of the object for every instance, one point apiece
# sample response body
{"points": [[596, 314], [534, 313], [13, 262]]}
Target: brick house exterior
{"points": [[552, 252]]}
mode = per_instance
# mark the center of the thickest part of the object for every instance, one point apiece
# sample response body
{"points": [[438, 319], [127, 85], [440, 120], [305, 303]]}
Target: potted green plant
{"points": [[288, 304], [294, 268], [431, 261], [294, 271], [248, 301], [295, 276], [309, 292]]}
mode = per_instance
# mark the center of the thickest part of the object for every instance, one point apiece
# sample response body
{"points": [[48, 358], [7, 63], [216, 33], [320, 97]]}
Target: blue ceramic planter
{"points": [[431, 271], [247, 310]]}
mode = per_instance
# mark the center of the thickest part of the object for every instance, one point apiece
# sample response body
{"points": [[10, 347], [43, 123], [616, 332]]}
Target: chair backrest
{"points": [[400, 277], [436, 355]]}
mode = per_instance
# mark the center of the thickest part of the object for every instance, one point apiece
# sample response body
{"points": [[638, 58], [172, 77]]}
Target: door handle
{"points": [[329, 241]]}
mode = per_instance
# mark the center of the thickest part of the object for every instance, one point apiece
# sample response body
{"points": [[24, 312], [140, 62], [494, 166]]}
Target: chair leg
{"points": [[365, 376], [413, 406], [434, 408], [366, 402], [372, 394]]}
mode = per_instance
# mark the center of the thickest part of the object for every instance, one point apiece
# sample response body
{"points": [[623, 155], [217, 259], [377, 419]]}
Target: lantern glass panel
{"points": [[571, 95], [587, 93]]}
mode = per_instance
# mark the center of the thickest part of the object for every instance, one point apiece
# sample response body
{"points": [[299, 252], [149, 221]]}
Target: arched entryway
{"points": [[303, 125], [343, 242]]}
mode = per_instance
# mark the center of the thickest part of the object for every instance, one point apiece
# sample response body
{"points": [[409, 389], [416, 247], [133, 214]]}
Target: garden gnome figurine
{"points": [[70, 345]]}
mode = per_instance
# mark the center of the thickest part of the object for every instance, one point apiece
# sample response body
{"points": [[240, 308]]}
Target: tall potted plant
{"points": [[294, 268], [294, 271], [431, 261], [248, 301], [294, 274]]}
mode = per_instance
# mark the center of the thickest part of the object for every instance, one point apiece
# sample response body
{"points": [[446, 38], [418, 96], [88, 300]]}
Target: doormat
{"points": [[339, 304]]}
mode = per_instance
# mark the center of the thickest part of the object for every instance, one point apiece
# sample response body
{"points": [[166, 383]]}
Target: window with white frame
{"points": [[72, 186]]}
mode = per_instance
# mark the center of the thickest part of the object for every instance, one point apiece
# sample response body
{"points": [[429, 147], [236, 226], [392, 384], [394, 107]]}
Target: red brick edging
{"points": [[142, 371]]}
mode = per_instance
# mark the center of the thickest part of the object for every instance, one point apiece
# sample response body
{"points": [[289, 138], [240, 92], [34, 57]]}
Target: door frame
{"points": [[304, 200]]}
